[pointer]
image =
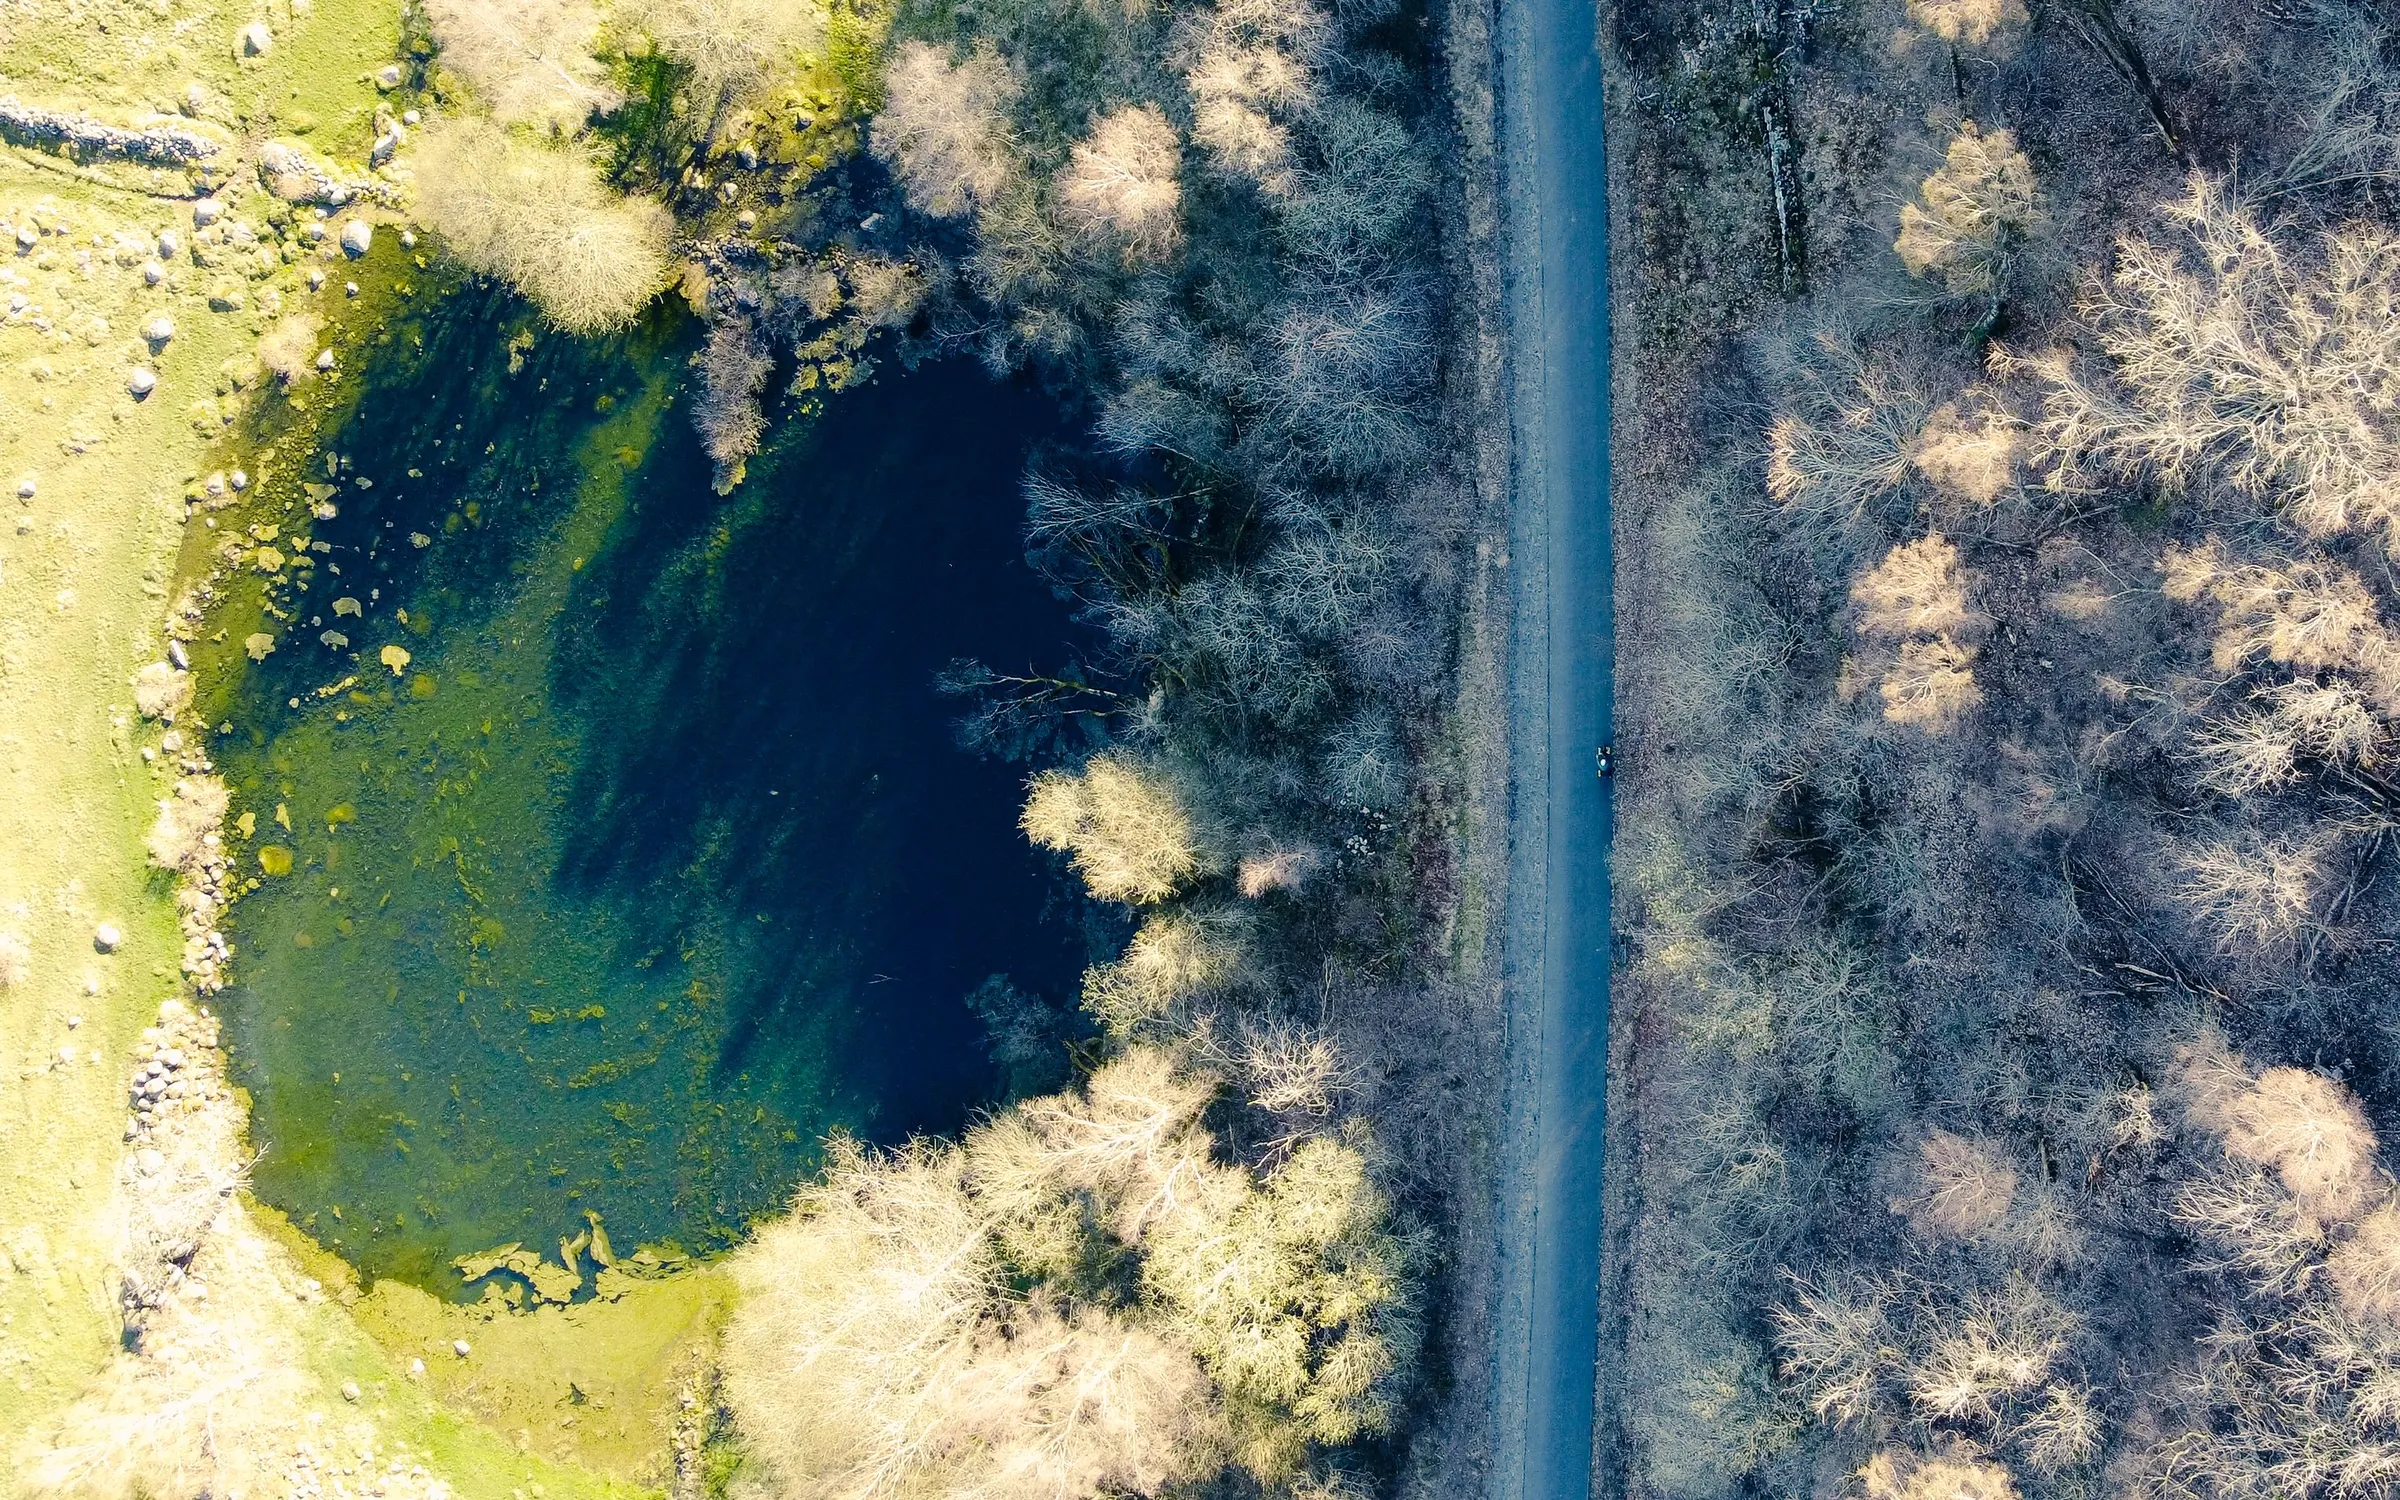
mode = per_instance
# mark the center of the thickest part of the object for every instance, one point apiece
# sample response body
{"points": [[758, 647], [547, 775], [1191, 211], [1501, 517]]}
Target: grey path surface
{"points": [[1556, 958]]}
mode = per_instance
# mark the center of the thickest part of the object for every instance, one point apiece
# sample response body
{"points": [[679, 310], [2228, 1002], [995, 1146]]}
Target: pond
{"points": [[613, 841]]}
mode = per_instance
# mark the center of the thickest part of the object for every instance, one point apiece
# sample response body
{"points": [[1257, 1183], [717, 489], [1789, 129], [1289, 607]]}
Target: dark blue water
{"points": [[656, 859]]}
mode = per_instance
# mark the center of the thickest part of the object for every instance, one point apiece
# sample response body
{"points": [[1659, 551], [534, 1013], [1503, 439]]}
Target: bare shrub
{"points": [[1969, 454], [1916, 590], [1276, 870], [529, 61], [943, 127], [160, 691], [1974, 22], [2365, 1268], [1976, 209], [1847, 440], [1173, 957], [1299, 1297], [1122, 822], [1838, 1346], [1120, 185], [956, 1320], [2312, 615], [2001, 1348], [1291, 1071], [542, 218], [181, 835], [1252, 67], [2064, 1430], [2260, 749], [2255, 894], [289, 349], [1965, 1188], [1897, 1474], [734, 49], [2233, 356], [1932, 684], [733, 370], [2312, 1132]]}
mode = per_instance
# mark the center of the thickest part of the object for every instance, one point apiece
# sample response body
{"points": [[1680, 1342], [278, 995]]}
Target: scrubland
{"points": [[2004, 452]]}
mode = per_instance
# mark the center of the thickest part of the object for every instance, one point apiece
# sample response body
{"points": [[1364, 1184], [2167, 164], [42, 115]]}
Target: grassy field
{"points": [[96, 481]]}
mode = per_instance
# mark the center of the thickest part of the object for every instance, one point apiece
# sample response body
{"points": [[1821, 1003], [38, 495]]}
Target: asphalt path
{"points": [[1561, 686]]}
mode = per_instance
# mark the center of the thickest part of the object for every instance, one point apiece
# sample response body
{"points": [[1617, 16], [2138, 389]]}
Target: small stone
{"points": [[748, 220], [214, 483], [25, 488], [357, 236], [240, 481], [408, 239], [159, 329], [108, 937], [349, 1390], [141, 383], [325, 359], [150, 1161], [170, 244], [153, 273], [416, 1369], [256, 40], [411, 117], [316, 278], [349, 288], [195, 98], [388, 76], [461, 1348], [28, 236], [73, 1022], [207, 211]]}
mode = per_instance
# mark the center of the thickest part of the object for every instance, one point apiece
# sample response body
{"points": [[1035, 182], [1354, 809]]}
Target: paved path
{"points": [[1561, 687]]}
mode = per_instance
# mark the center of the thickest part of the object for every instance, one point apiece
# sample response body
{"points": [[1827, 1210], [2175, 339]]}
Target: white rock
{"points": [[357, 236], [153, 273], [150, 1161], [28, 236], [388, 76], [214, 483], [159, 329], [349, 288], [316, 278], [461, 1348], [411, 117], [141, 383], [387, 146], [349, 1390], [170, 244], [325, 359], [108, 937], [195, 98], [256, 40], [416, 1369], [408, 239], [25, 488], [241, 481]]}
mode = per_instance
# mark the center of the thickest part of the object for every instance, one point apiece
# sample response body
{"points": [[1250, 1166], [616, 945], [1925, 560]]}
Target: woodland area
{"points": [[2007, 699], [1210, 1264]]}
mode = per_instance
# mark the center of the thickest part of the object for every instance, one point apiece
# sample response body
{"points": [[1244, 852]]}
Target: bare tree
{"points": [[1121, 188], [944, 126]]}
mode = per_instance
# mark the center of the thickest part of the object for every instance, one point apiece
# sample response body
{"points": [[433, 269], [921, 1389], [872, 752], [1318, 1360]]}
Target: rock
{"points": [[181, 658], [461, 1348], [357, 236], [149, 1161], [141, 383], [25, 488], [316, 278], [195, 98], [387, 145], [28, 237], [207, 211], [349, 288], [255, 40], [153, 273], [325, 359], [159, 329], [241, 481], [411, 117], [349, 1390], [108, 937], [160, 145], [388, 76], [416, 1369], [408, 239], [170, 244]]}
